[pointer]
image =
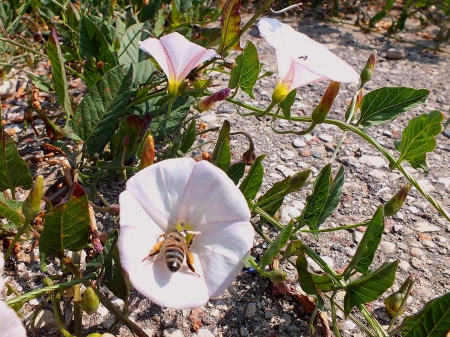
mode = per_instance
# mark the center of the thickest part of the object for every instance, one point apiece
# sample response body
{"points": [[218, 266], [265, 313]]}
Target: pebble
{"points": [[203, 333], [428, 243], [298, 142], [350, 161], [214, 312], [426, 185], [413, 210], [325, 138], [288, 212], [298, 204], [350, 251], [347, 325], [373, 161], [208, 118], [445, 182], [394, 176], [395, 53], [287, 155], [308, 138], [251, 310], [286, 320], [172, 333], [244, 331], [398, 228], [357, 236], [286, 171], [44, 318], [319, 151], [423, 292], [425, 227], [404, 265], [387, 247], [416, 252], [8, 88], [305, 153], [378, 174]]}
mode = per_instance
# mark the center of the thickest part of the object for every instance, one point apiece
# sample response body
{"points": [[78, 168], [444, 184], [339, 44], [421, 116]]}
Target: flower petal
{"points": [[220, 248], [184, 55], [160, 189], [294, 74], [2, 265], [10, 323], [155, 48], [313, 56], [212, 197]]}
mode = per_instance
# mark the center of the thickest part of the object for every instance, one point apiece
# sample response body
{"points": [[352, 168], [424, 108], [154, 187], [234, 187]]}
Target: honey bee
{"points": [[174, 248]]}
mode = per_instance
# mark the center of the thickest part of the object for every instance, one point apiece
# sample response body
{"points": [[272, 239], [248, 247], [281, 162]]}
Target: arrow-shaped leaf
{"points": [[13, 169], [277, 244], [222, 154], [245, 73], [386, 104], [66, 226], [253, 181], [230, 24], [418, 139], [11, 210], [58, 71]]}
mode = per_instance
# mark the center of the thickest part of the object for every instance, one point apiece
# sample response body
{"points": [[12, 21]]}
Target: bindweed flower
{"points": [[176, 56], [206, 103], [10, 323], [301, 60], [183, 194]]}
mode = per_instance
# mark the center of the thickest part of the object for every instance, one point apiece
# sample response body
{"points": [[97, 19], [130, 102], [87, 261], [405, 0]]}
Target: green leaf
{"points": [[189, 137], [287, 104], [386, 104], [306, 279], [277, 244], [367, 248], [245, 73], [334, 196], [377, 17], [118, 284], [143, 71], [368, 288], [236, 171], [90, 73], [432, 321], [94, 44], [11, 210], [128, 53], [105, 256], [230, 24], [58, 71], [222, 154], [13, 169], [253, 181], [294, 248], [98, 114], [67, 225], [316, 202], [272, 206], [323, 282], [417, 139]]}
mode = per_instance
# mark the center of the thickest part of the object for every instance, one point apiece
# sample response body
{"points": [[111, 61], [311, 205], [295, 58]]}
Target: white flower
{"points": [[176, 56], [301, 60], [10, 323], [202, 197]]}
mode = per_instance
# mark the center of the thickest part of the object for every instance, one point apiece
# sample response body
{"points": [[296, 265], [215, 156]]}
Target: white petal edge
{"points": [[155, 48], [312, 55], [10, 323], [184, 55], [2, 265], [160, 189], [211, 196]]}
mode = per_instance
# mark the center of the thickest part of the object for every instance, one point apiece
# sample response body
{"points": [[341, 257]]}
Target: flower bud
{"points": [[29, 58], [249, 156], [393, 302], [126, 141], [298, 180], [320, 113], [205, 103], [116, 45], [90, 301], [366, 73], [395, 203], [32, 204], [277, 276], [148, 152], [37, 36]]}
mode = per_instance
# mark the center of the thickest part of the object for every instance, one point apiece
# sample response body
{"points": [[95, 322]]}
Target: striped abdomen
{"points": [[174, 256]]}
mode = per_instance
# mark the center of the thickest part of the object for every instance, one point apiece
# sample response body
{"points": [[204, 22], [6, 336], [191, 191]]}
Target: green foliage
{"points": [[253, 181], [287, 104], [222, 154], [245, 73], [236, 171], [277, 244], [11, 210], [230, 25]]}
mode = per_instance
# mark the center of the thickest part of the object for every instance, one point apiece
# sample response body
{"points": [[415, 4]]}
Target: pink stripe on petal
{"points": [[156, 49]]}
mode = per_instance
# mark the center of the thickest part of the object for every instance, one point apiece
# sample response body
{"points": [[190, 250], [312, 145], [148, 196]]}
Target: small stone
{"points": [[214, 312], [251, 310], [308, 138], [288, 212], [319, 151], [425, 227], [244, 331], [305, 153], [325, 138], [387, 247], [203, 333], [416, 252], [378, 174], [404, 265], [172, 333], [428, 243], [298, 204], [445, 182], [347, 325], [387, 133], [413, 210], [357, 236], [398, 228], [208, 118], [298, 142], [286, 171], [44, 319], [286, 320], [8, 88], [395, 53], [426, 185], [399, 216], [373, 161], [393, 176], [421, 291], [350, 161], [349, 251], [287, 155]]}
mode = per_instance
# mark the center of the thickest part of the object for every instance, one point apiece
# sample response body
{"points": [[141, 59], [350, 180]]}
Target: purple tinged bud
{"points": [[320, 113], [205, 103], [126, 141], [395, 203]]}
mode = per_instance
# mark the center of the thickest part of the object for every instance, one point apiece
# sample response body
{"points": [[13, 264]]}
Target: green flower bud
{"points": [[298, 180], [90, 301], [117, 45], [395, 203], [393, 302], [320, 113], [95, 334], [29, 58], [366, 73], [277, 276], [32, 204]]}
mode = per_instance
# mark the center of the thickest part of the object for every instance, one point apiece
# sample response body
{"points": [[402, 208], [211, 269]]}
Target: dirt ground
{"points": [[418, 236]]}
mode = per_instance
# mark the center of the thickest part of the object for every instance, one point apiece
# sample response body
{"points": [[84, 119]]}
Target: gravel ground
{"points": [[418, 236]]}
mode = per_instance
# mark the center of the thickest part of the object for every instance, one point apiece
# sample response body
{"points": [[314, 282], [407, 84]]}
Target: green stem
{"points": [[269, 108], [337, 333], [56, 300], [379, 331], [325, 230], [20, 232], [144, 99]]}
